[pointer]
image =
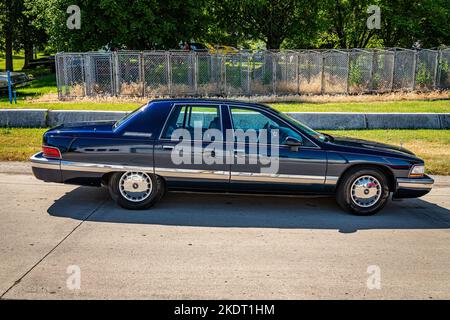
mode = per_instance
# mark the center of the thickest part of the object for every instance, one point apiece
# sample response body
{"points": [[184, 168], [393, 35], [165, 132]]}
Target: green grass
{"points": [[19, 144], [415, 106], [431, 145], [440, 106], [18, 60]]}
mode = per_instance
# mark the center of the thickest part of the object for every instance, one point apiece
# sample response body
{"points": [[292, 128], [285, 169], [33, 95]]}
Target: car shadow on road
{"points": [[250, 211]]}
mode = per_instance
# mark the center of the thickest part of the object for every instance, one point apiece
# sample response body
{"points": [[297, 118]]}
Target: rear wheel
{"points": [[135, 189], [363, 191]]}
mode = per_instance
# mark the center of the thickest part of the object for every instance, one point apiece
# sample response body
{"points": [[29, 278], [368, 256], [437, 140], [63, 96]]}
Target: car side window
{"points": [[250, 119], [193, 118], [175, 121]]}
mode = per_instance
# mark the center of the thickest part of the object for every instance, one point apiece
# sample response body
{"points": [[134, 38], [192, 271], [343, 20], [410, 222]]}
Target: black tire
{"points": [[348, 199], [153, 196]]}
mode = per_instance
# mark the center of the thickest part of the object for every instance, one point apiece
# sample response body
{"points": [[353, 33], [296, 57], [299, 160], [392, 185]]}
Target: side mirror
{"points": [[293, 143]]}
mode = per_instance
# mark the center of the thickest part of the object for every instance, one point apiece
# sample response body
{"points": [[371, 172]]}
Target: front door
{"points": [[263, 161]]}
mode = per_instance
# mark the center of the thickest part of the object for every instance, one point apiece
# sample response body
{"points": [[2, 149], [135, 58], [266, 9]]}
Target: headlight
{"points": [[417, 171]]}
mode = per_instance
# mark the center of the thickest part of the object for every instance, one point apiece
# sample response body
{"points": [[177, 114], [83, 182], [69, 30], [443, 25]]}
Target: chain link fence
{"points": [[180, 73]]}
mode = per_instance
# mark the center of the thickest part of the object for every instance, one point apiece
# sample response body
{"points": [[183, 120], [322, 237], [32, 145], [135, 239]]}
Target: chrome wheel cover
{"points": [[365, 191], [135, 186]]}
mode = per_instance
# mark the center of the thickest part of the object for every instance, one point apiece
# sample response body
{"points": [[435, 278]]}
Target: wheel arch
{"points": [[106, 176], [383, 168]]}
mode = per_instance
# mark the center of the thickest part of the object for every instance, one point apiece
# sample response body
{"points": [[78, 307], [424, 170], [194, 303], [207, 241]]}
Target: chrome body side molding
{"points": [[101, 168], [276, 178], [193, 174], [39, 161]]}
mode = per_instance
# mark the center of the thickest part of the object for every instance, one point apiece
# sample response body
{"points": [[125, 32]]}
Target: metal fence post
{"points": [[347, 85], [141, 72], [414, 69], [436, 60], [115, 85], [83, 74], [87, 74], [298, 71], [223, 72], [65, 74], [195, 66], [169, 73], [274, 75], [438, 80], [58, 75], [322, 79], [372, 72], [393, 70], [248, 75]]}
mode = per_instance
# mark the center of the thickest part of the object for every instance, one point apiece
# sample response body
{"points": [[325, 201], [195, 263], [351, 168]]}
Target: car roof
{"points": [[215, 101]]}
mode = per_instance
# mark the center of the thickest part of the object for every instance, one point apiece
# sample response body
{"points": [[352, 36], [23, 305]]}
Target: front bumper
{"points": [[45, 169], [413, 187]]}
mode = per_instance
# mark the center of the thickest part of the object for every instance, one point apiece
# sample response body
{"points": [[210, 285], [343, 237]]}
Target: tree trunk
{"points": [[9, 36], [28, 44], [28, 47], [273, 42]]}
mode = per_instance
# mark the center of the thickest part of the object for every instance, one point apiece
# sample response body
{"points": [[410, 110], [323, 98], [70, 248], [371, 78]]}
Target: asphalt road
{"points": [[216, 246]]}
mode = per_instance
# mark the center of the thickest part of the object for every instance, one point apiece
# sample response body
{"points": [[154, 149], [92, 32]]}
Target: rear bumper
{"points": [[45, 169], [413, 187]]}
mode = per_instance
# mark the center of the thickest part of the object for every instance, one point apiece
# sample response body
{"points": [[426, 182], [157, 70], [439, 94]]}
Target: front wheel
{"points": [[363, 191], [135, 189]]}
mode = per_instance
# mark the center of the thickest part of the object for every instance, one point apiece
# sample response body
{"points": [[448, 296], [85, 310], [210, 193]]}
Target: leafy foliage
{"points": [[274, 24]]}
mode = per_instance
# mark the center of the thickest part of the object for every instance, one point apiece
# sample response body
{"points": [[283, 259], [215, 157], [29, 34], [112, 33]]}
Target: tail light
{"points": [[51, 152]]}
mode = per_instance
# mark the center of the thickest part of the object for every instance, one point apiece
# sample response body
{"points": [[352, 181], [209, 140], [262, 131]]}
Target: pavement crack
{"points": [[54, 248]]}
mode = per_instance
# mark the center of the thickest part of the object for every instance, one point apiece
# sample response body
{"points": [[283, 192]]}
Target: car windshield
{"points": [[317, 135], [128, 116]]}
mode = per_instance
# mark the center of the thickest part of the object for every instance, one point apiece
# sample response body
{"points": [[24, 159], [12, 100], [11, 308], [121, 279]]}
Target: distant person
{"points": [[186, 46]]}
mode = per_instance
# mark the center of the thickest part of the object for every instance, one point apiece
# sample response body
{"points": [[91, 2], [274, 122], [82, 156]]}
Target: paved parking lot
{"points": [[216, 246]]}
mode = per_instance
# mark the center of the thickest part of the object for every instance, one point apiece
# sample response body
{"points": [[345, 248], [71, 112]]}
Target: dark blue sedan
{"points": [[225, 146]]}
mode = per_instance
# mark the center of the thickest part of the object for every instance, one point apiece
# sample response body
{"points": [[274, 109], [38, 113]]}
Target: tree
{"points": [[345, 23], [433, 28], [18, 31], [135, 25], [271, 21], [404, 23], [8, 22]]}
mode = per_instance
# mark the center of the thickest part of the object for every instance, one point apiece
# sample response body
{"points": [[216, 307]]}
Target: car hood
{"points": [[370, 145]]}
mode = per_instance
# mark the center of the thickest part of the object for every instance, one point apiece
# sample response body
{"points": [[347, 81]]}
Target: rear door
{"points": [[189, 153]]}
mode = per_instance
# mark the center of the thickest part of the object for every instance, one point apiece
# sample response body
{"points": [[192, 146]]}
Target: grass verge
{"points": [[431, 145], [439, 106]]}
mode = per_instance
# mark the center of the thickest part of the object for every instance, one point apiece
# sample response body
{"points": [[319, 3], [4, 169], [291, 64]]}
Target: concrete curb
{"points": [[404, 121], [39, 118], [23, 118], [331, 120], [57, 117]]}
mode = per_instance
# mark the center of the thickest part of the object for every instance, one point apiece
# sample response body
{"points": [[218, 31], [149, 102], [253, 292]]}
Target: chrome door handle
{"points": [[212, 152], [168, 147]]}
